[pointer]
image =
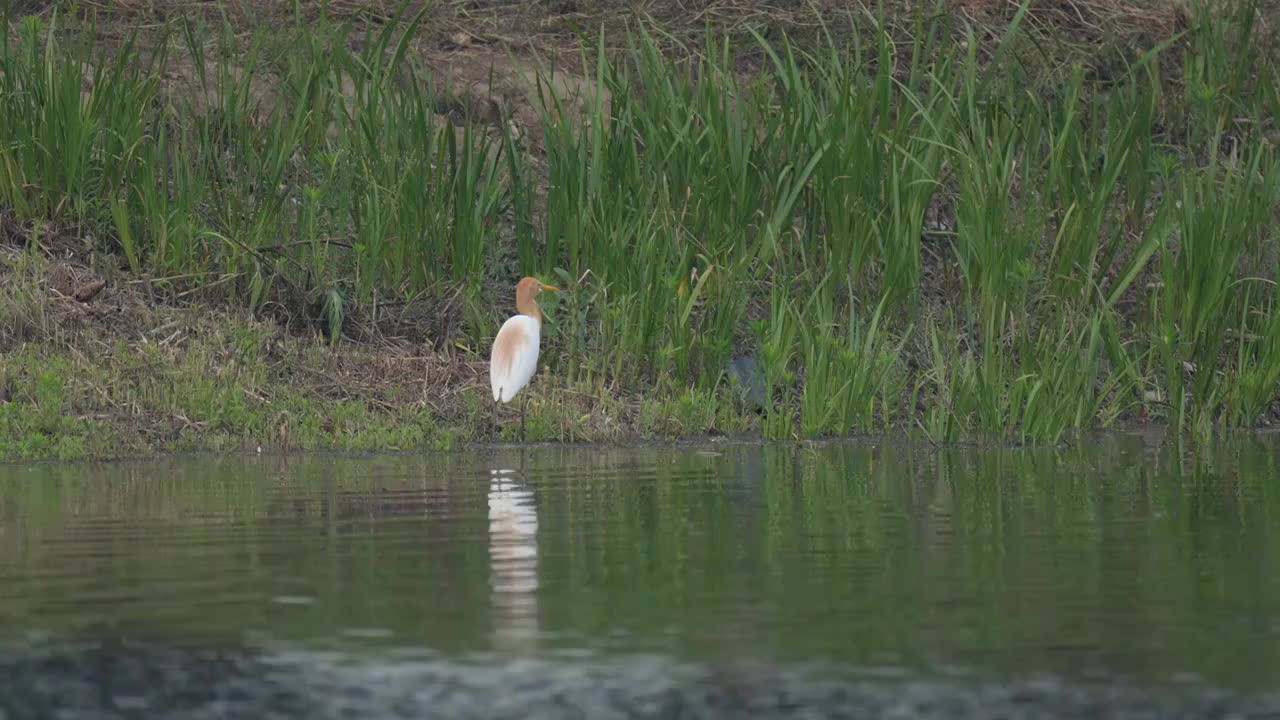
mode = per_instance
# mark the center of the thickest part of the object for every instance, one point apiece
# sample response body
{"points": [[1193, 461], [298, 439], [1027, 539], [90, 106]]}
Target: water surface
{"points": [[1125, 564]]}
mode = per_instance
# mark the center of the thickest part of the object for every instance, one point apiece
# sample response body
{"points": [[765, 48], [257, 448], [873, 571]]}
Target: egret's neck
{"points": [[527, 306]]}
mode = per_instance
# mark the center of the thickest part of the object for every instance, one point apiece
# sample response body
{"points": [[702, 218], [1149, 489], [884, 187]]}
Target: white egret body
{"points": [[514, 358]]}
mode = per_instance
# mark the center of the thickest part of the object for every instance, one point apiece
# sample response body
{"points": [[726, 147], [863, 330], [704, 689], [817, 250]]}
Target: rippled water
{"points": [[1125, 573]]}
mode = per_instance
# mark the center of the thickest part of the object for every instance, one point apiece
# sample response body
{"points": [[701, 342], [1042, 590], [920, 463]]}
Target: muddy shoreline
{"points": [[1155, 432]]}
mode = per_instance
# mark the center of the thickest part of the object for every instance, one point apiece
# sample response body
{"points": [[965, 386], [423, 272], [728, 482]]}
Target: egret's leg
{"points": [[493, 427], [523, 404]]}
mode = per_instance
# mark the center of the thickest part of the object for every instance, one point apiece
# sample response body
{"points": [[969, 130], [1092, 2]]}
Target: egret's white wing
{"points": [[515, 356]]}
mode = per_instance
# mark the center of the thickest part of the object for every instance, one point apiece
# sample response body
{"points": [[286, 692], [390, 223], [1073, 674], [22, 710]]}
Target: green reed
{"points": [[1223, 214], [1091, 253], [67, 148]]}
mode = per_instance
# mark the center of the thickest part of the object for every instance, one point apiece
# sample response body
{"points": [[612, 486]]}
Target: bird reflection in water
{"points": [[513, 562]]}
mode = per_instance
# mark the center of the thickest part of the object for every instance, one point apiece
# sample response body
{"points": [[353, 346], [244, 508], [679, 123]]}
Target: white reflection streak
{"points": [[513, 562]]}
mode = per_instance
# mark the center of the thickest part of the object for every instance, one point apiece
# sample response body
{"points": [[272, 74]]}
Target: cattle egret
{"points": [[514, 358]]}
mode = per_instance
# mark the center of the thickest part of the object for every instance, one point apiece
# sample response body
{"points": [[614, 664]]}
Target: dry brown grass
{"points": [[553, 29]]}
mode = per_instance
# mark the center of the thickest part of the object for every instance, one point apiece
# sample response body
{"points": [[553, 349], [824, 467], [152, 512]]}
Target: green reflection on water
{"points": [[1122, 556]]}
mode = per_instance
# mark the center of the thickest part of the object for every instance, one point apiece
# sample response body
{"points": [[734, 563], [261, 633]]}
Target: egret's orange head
{"points": [[527, 294]]}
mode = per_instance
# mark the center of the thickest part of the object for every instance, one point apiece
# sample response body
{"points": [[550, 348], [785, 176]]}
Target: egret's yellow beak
{"points": [[552, 288]]}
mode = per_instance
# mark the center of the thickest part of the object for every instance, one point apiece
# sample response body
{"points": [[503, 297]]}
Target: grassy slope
{"points": [[150, 364], [124, 376]]}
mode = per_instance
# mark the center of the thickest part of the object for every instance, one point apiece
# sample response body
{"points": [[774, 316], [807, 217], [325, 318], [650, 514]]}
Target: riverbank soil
{"points": [[169, 302]]}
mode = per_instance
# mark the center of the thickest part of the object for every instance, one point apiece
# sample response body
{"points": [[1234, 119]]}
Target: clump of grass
{"points": [[1222, 214], [851, 374], [24, 310]]}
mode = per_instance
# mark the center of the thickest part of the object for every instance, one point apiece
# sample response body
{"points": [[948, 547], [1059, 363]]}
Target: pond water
{"points": [[1123, 577]]}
